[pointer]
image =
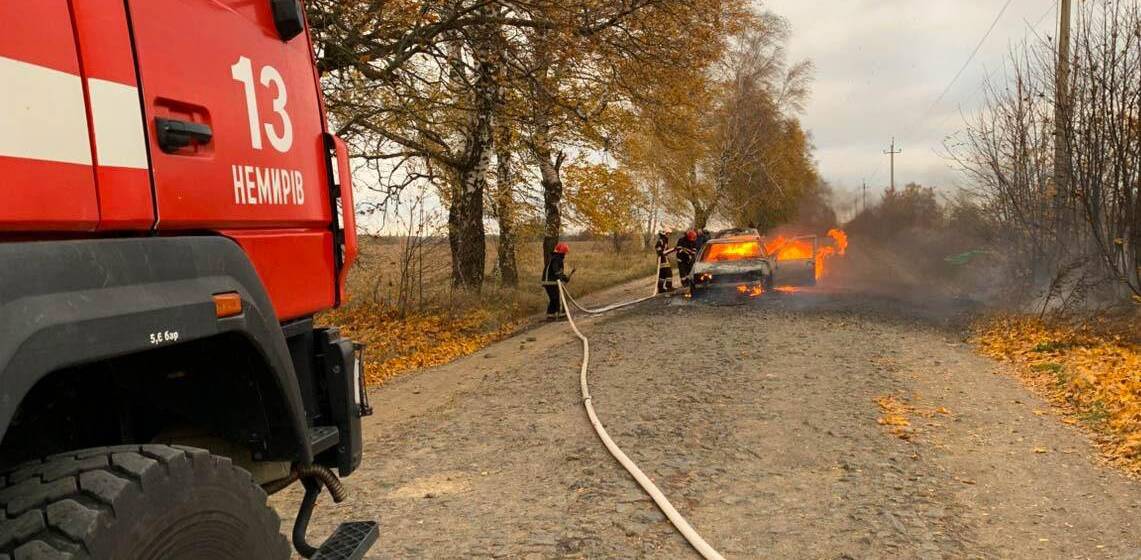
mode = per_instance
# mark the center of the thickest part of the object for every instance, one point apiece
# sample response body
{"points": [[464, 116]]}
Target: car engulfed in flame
{"points": [[735, 266], [802, 259]]}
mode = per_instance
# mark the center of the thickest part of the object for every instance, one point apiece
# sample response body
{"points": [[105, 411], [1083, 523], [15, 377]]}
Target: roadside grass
{"points": [[425, 322], [1091, 371]]}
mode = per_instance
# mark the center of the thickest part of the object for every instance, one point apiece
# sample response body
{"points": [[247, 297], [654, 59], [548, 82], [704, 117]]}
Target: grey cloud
{"points": [[879, 67]]}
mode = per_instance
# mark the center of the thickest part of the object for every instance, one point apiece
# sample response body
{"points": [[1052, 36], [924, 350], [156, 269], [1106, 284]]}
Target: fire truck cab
{"points": [[173, 213]]}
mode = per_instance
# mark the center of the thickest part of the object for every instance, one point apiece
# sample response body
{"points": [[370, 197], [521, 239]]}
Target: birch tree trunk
{"points": [[541, 143], [552, 184], [504, 177], [505, 210], [466, 235]]}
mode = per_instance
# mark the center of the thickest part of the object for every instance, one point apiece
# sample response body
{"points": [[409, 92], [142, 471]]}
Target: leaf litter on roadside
{"points": [[1092, 372], [423, 339]]}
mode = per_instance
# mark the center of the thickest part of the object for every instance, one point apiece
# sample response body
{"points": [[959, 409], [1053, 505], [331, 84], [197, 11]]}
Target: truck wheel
{"points": [[137, 502]]}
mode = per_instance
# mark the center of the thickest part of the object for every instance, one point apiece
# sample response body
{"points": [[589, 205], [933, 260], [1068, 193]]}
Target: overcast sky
{"points": [[880, 65]]}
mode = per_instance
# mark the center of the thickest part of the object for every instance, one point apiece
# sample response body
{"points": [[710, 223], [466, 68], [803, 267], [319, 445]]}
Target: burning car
{"points": [[801, 260], [733, 264], [796, 259]]}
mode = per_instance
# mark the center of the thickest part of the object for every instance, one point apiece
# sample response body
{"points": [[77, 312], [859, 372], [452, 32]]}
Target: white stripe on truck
{"points": [[42, 114], [118, 117]]}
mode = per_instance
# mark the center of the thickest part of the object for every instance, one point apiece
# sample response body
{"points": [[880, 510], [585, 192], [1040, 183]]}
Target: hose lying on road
{"points": [[648, 485], [598, 310]]}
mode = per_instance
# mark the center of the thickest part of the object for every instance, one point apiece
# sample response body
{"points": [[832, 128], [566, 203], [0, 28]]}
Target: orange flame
{"points": [[821, 256], [789, 249], [840, 238], [751, 291], [793, 249], [772, 246], [733, 251], [839, 247]]}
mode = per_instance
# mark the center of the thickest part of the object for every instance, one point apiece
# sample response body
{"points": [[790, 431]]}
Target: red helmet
{"points": [[691, 235], [562, 248]]}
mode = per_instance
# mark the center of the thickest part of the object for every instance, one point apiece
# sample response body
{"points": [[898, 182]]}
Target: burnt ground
{"points": [[758, 421]]}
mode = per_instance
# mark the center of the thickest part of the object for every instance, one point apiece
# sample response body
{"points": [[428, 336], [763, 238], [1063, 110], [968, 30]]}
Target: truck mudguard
{"points": [[68, 303]]}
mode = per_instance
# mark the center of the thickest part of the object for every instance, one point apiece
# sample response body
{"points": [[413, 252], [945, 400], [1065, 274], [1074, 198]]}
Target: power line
{"points": [[970, 58], [978, 46], [1026, 35], [892, 153], [967, 63]]}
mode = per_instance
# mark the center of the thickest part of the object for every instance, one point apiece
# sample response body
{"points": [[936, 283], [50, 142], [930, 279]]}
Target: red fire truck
{"points": [[173, 212]]}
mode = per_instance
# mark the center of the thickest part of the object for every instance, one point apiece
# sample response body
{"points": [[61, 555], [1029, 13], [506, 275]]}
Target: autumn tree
{"points": [[679, 146], [417, 89], [604, 200], [1083, 231], [1104, 130], [660, 143], [727, 141], [582, 79], [763, 162], [413, 88]]}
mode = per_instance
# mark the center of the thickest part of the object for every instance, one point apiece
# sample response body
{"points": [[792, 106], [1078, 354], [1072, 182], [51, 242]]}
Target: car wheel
{"points": [[142, 502]]}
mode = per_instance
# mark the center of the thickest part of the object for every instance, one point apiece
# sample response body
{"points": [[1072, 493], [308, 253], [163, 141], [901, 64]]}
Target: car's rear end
{"points": [[795, 259]]}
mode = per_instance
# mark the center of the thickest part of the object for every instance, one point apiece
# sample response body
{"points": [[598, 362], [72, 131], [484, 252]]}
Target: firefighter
{"points": [[686, 255], [665, 271], [552, 274], [702, 238]]}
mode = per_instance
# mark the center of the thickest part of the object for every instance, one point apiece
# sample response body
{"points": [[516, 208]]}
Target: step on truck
{"points": [[173, 213]]}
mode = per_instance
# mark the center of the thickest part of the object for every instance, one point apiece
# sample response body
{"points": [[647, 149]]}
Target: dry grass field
{"points": [[421, 321]]}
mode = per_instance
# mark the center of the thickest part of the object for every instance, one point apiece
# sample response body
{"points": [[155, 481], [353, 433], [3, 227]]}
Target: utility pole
{"points": [[1062, 102], [891, 152]]}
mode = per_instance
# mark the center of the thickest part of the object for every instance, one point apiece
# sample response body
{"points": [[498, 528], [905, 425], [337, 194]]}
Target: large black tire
{"points": [[136, 502]]}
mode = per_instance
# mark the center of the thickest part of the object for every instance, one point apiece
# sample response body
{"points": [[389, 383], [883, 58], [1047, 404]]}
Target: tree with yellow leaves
{"points": [[726, 141], [605, 201], [417, 88]]}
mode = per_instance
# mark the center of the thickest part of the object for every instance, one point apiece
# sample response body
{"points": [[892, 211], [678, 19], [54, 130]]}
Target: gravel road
{"points": [[759, 421]]}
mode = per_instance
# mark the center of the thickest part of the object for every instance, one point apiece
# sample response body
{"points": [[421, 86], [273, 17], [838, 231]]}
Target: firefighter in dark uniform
{"points": [[702, 238], [686, 255], [552, 274], [665, 271]]}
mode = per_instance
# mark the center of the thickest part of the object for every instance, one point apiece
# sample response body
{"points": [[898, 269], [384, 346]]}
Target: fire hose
{"points": [[679, 522], [596, 311]]}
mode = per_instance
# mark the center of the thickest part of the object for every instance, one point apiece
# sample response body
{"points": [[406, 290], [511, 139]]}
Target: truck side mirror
{"points": [[288, 18]]}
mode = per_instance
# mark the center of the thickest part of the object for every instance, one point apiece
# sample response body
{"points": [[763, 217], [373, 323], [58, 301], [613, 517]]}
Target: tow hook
{"points": [[350, 541]]}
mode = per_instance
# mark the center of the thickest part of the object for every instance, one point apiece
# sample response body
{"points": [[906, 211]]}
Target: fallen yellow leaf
{"points": [[1089, 370]]}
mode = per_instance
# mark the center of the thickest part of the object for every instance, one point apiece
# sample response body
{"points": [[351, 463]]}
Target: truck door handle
{"points": [[174, 135]]}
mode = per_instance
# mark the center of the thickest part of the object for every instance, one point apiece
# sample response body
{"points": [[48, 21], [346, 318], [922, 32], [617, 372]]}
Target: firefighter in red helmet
{"points": [[552, 274], [686, 255]]}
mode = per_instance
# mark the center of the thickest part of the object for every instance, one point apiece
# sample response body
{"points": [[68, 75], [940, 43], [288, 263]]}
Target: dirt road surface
{"points": [[759, 421]]}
